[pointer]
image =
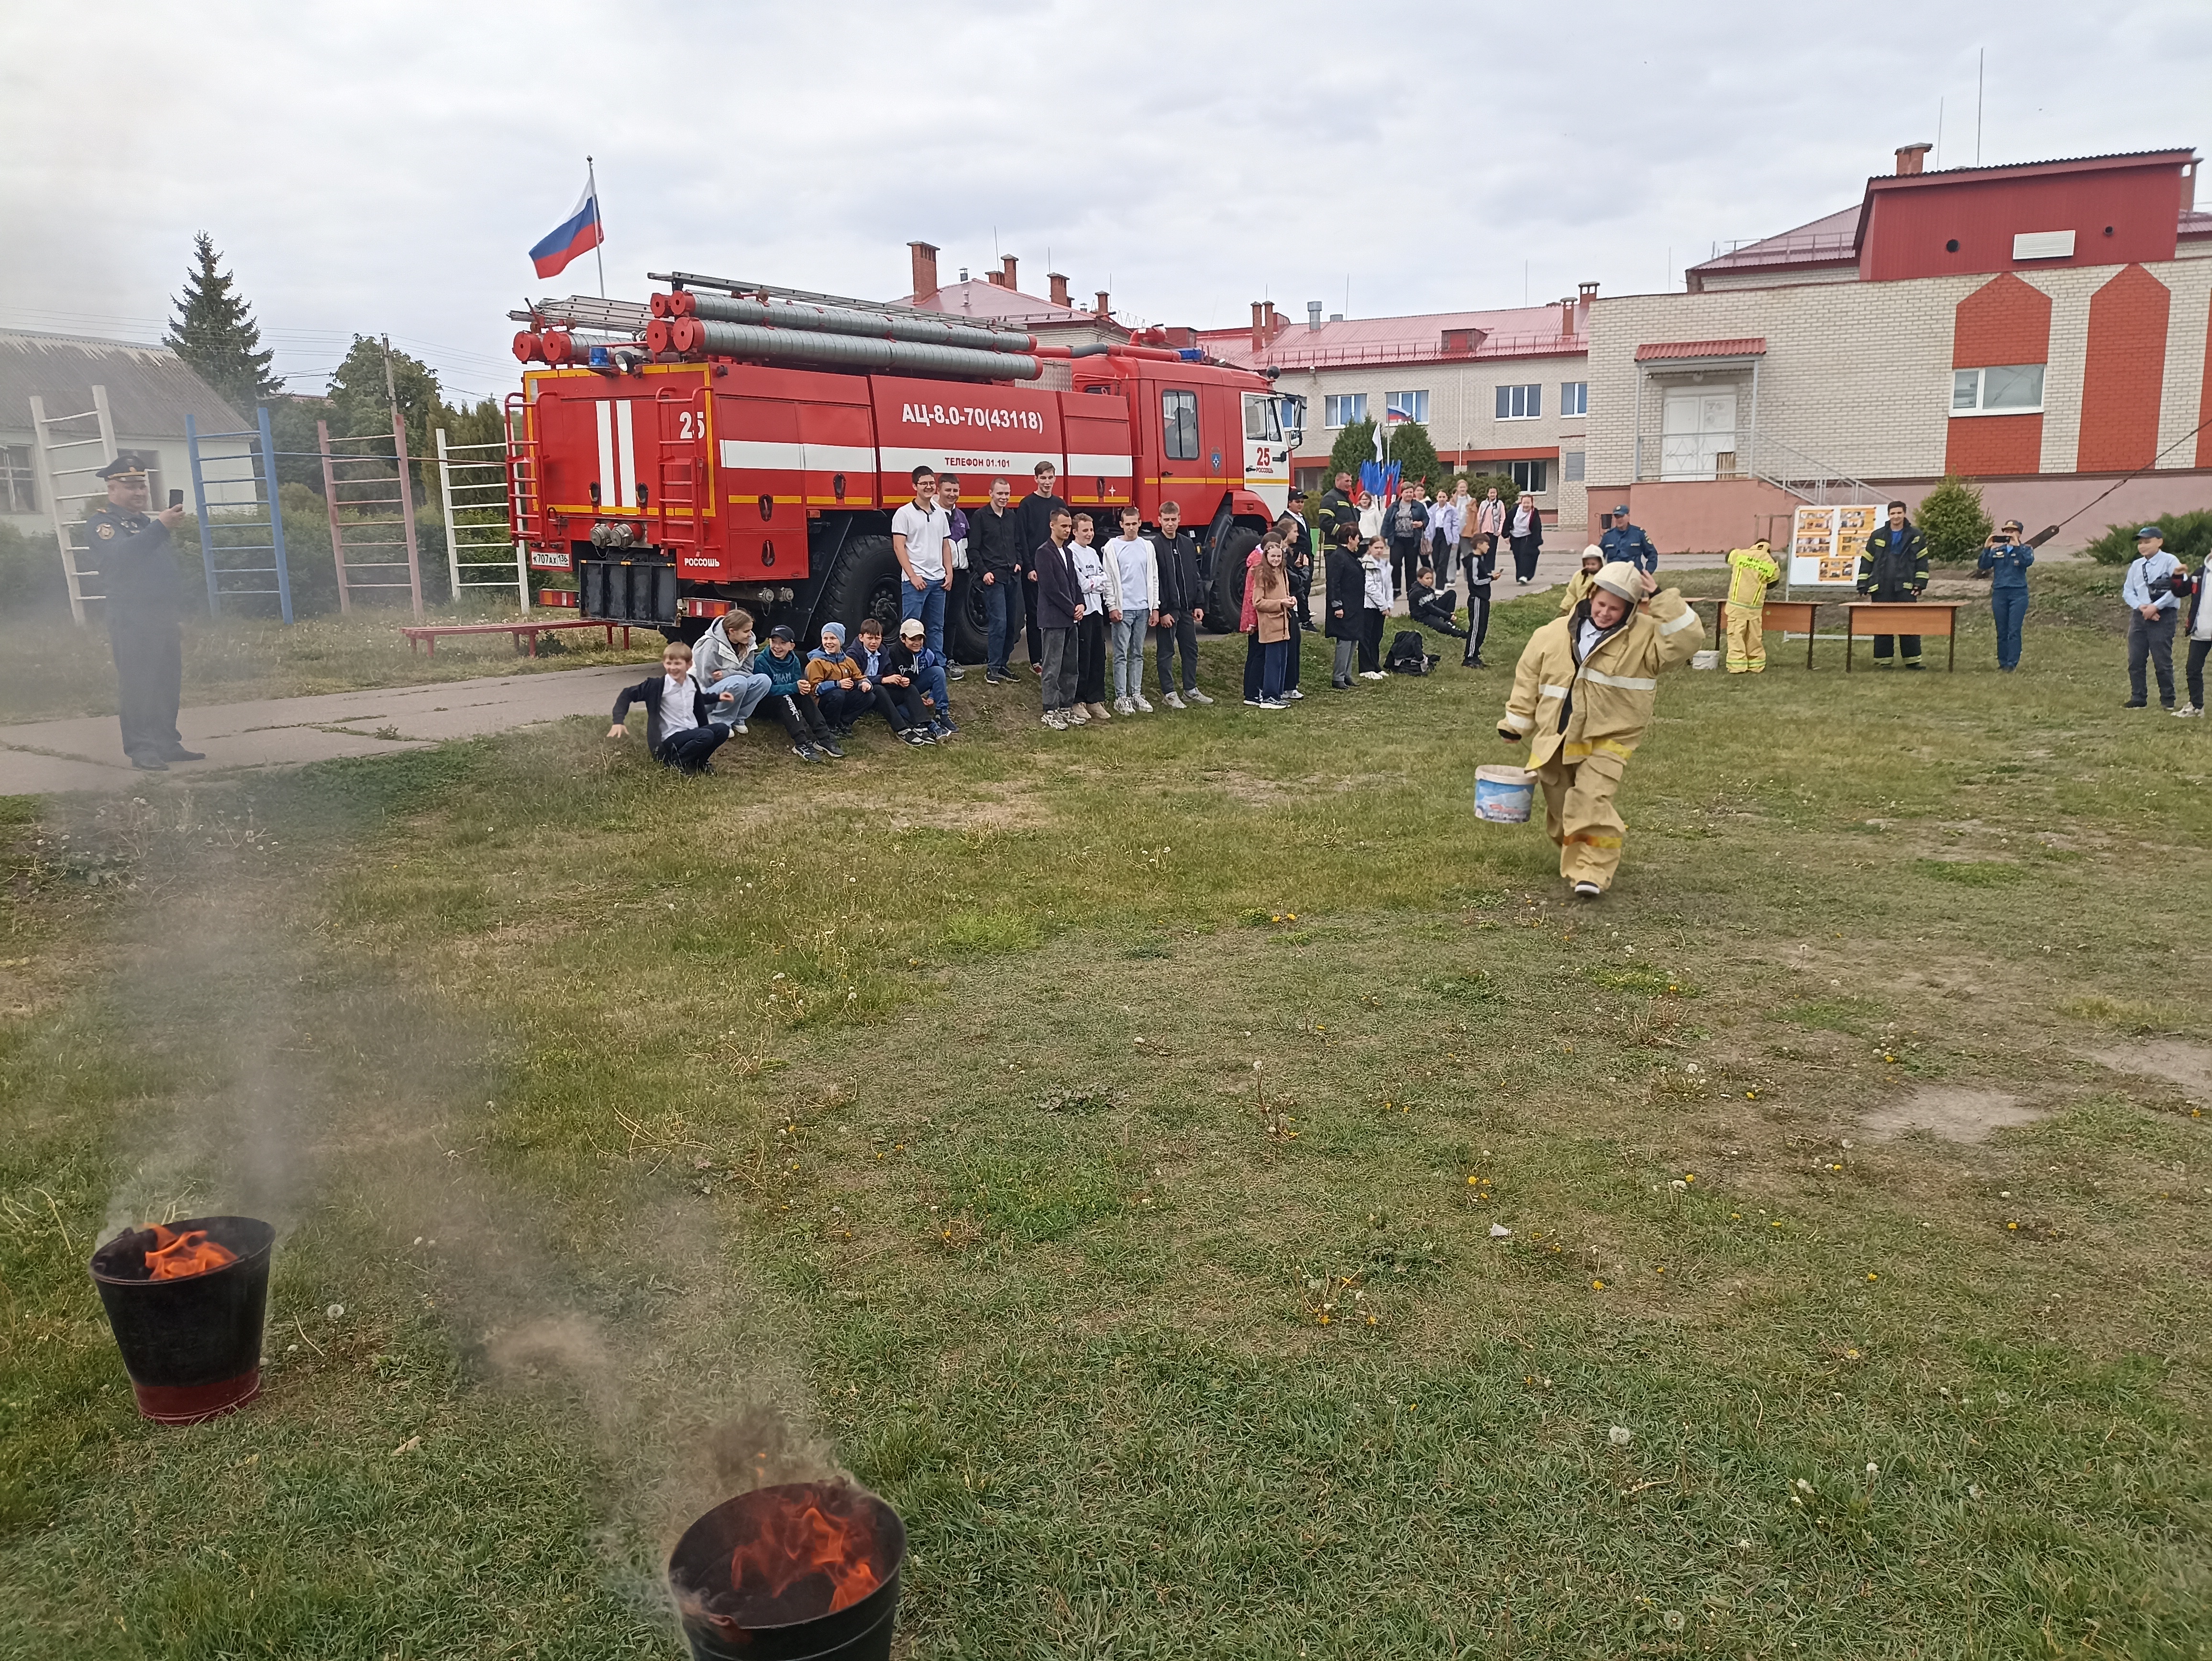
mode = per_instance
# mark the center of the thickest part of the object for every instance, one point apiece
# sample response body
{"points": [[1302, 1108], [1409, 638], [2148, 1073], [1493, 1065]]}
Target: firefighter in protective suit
{"points": [[1584, 690], [1751, 570]]}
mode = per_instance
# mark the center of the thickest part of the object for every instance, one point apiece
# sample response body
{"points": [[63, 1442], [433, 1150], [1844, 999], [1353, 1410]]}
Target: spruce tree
{"points": [[215, 333]]}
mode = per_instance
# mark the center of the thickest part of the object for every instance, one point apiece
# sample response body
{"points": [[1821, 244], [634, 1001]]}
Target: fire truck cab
{"points": [[674, 487]]}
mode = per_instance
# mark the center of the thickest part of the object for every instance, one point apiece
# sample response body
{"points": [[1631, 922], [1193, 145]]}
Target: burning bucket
{"points": [[186, 1301], [799, 1571]]}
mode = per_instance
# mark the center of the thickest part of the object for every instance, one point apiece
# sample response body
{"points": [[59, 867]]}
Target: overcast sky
{"points": [[383, 167]]}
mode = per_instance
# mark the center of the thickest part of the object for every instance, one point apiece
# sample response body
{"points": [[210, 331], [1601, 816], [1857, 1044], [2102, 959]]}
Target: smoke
{"points": [[285, 1077]]}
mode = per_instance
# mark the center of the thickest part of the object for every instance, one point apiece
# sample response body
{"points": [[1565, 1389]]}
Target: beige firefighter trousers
{"points": [[1580, 817], [1746, 640]]}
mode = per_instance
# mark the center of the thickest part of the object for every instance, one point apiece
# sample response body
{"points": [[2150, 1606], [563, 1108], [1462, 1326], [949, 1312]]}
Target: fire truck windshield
{"points": [[1260, 421]]}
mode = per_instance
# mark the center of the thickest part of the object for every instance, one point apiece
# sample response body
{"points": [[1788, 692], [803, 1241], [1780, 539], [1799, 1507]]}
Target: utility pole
{"points": [[1981, 57]]}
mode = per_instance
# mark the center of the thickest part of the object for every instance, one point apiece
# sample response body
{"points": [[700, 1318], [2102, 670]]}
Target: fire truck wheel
{"points": [[967, 625], [1227, 608], [865, 584]]}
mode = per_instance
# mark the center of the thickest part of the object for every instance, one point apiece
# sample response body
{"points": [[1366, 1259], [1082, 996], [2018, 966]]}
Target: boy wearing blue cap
{"points": [[2153, 605]]}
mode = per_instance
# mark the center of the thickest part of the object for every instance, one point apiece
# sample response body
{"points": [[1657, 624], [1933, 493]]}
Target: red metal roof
{"points": [[1515, 331], [1746, 346], [980, 298], [2194, 223], [1830, 240]]}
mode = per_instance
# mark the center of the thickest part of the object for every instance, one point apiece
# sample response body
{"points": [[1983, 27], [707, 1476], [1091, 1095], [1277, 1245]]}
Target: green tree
{"points": [[1415, 453], [1954, 520], [2187, 537], [215, 333], [1353, 449]]}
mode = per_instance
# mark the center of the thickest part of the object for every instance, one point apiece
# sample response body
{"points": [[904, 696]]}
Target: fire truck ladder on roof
{"points": [[360, 488], [480, 548], [73, 448], [240, 469]]}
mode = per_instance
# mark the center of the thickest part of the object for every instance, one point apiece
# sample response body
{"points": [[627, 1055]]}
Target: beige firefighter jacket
{"points": [[1602, 706]]}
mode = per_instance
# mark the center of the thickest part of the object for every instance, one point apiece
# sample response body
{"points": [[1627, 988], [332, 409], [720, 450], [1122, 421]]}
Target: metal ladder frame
{"points": [[43, 451], [402, 498], [261, 476], [484, 535]]}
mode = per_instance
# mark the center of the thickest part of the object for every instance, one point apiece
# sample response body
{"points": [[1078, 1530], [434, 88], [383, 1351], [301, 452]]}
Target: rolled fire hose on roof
{"points": [[692, 336], [832, 320]]}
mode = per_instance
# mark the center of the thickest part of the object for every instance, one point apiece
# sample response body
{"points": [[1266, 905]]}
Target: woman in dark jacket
{"points": [[1345, 599]]}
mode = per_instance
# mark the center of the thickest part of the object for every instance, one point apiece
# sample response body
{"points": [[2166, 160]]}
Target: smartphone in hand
{"points": [[176, 498]]}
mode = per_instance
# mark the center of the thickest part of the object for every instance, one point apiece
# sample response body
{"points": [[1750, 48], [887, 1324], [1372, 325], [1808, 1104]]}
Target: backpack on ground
{"points": [[1409, 654]]}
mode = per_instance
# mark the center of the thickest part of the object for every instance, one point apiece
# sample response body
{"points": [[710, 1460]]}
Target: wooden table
{"points": [[1922, 618], [527, 630], [1777, 616]]}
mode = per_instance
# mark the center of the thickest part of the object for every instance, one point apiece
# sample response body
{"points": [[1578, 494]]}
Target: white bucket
{"points": [[1502, 794], [1707, 659]]}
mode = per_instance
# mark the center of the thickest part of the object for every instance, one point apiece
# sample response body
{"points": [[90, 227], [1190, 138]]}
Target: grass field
{"points": [[1099, 1144]]}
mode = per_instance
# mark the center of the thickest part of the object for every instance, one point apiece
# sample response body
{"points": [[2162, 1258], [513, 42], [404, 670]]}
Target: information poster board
{"points": [[1826, 543]]}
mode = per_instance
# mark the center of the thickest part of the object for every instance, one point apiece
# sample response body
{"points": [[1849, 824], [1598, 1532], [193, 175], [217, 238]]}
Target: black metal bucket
{"points": [[191, 1345], [723, 1622]]}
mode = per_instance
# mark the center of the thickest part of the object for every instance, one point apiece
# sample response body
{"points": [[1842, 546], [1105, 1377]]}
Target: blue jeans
{"points": [[1129, 636], [749, 690], [1002, 607], [928, 604], [1274, 663], [2011, 607]]}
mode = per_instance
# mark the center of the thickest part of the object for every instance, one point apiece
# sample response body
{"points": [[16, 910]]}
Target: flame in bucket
{"points": [[798, 1538], [176, 1254]]}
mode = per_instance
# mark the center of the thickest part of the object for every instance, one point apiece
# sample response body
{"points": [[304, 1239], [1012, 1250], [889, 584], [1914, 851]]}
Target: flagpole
{"points": [[591, 179]]}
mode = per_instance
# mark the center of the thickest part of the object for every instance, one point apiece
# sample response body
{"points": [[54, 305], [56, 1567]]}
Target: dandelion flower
{"points": [[334, 1311], [1619, 1436], [1672, 1620], [1597, 1286]]}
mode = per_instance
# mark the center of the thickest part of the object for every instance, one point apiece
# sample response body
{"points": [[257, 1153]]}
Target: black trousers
{"points": [[1405, 560], [1256, 662], [2151, 640], [1477, 620], [2197, 649], [689, 751], [1886, 645], [892, 702], [1091, 658], [1029, 612], [1181, 636], [149, 677], [1370, 639], [1301, 592], [1525, 550], [800, 718]]}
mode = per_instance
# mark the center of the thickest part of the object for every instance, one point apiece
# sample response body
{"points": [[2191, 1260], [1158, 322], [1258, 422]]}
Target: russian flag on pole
{"points": [[577, 235]]}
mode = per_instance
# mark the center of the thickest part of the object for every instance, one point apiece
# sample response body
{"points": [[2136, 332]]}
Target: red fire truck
{"points": [[734, 444]]}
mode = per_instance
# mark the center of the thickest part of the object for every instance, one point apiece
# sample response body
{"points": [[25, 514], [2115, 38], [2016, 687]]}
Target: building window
{"points": [[1574, 398], [1570, 467], [1520, 402], [18, 491], [1344, 409], [1179, 426], [2014, 389], [1530, 476], [1414, 406]]}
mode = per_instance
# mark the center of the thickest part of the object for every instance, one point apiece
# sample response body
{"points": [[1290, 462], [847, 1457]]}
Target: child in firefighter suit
{"points": [[1750, 570], [1584, 690]]}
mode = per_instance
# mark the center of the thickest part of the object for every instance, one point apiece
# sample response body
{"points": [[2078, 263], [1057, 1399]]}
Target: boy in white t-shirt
{"points": [[919, 532], [1132, 602]]}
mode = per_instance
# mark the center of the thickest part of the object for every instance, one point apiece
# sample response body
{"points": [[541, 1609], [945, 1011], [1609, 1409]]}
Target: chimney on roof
{"points": [[1104, 310], [1313, 314], [1268, 312], [1567, 316], [1259, 334], [925, 269], [1911, 158], [1007, 266], [1587, 292], [1059, 287], [996, 279]]}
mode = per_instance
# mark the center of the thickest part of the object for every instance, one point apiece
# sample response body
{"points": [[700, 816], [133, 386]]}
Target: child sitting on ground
{"points": [[918, 675], [791, 697], [840, 690], [676, 730], [899, 705], [722, 663], [1432, 607]]}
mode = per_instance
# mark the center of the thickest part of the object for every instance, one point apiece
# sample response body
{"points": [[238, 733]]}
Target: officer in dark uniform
{"points": [[1894, 568], [131, 550]]}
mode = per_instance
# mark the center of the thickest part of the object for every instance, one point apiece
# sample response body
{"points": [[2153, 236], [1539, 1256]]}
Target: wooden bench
{"points": [[1923, 617], [1777, 616], [524, 632]]}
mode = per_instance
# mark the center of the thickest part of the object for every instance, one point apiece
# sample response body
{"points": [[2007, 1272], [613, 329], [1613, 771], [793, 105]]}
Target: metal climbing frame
{"points": [[61, 454], [240, 468], [362, 487], [481, 550]]}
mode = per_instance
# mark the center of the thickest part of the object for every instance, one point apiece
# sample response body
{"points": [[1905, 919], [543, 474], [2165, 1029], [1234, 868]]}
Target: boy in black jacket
{"points": [[676, 730], [1431, 608]]}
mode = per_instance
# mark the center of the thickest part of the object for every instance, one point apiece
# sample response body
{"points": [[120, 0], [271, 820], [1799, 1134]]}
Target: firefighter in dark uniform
{"points": [[1894, 568], [1337, 509], [131, 550]]}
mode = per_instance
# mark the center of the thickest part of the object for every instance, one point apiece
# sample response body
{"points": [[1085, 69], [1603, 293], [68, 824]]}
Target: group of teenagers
{"points": [[1089, 608]]}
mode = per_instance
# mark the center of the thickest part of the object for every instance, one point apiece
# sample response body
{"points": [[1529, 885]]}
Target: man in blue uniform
{"points": [[1627, 544], [131, 550]]}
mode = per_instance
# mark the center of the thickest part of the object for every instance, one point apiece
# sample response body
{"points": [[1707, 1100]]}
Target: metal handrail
{"points": [[1525, 344]]}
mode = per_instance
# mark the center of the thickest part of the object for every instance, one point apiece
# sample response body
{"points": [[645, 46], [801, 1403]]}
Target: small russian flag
{"points": [[577, 235]]}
